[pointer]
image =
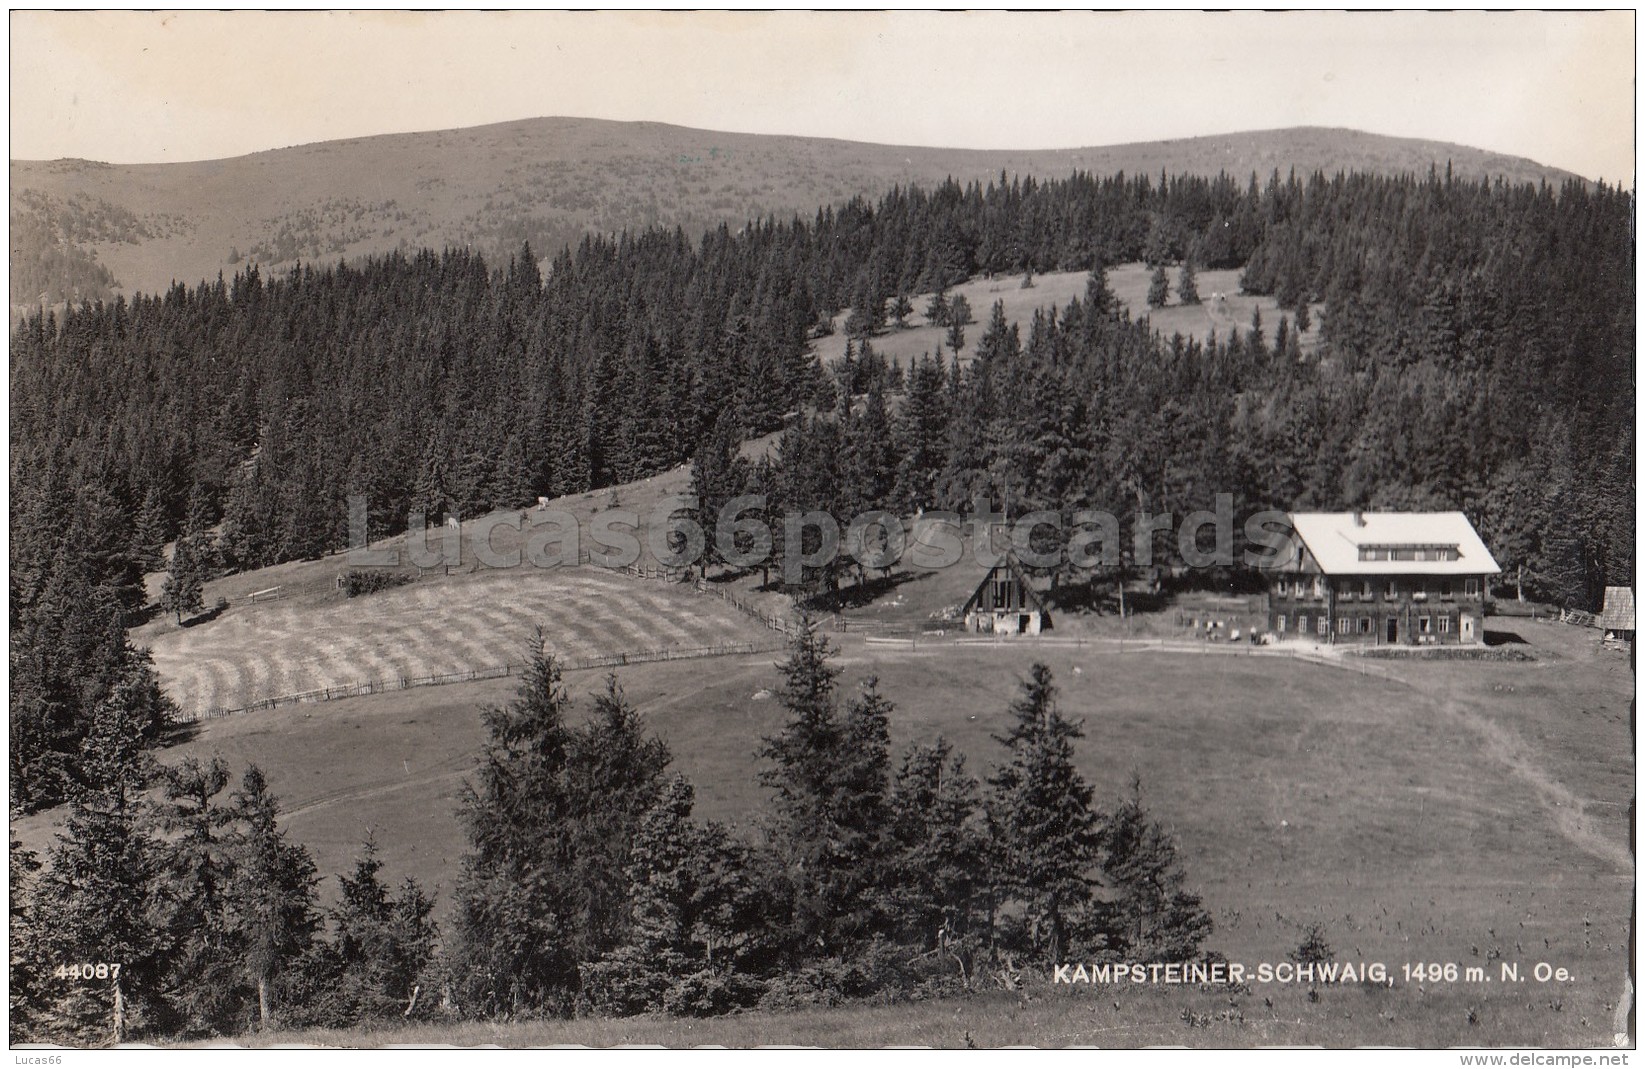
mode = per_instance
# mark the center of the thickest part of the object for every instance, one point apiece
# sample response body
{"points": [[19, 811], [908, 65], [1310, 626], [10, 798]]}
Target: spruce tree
{"points": [[1151, 916], [183, 590], [205, 968], [28, 966], [383, 945], [692, 910], [1045, 832], [1255, 342], [272, 898], [615, 772], [515, 934], [102, 899], [942, 851], [1099, 298], [149, 537], [901, 309], [936, 309], [828, 778], [1159, 288], [1187, 284], [718, 474]]}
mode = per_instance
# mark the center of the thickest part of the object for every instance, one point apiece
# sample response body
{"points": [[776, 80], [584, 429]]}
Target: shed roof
{"points": [[1618, 613], [1010, 563], [1336, 538]]}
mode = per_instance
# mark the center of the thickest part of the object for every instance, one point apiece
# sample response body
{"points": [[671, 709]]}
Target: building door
{"points": [[1467, 629], [1022, 625], [1393, 630]]}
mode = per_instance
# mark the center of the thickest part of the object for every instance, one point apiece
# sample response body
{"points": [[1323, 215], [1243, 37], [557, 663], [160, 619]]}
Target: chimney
{"points": [[1359, 518]]}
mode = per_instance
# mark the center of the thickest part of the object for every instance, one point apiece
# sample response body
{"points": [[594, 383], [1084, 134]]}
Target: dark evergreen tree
{"points": [[28, 966], [1046, 834], [692, 911], [1152, 917], [615, 772], [383, 946], [718, 474], [1187, 284], [1159, 288], [272, 897], [515, 934], [901, 308], [205, 960], [936, 309], [102, 898], [942, 853], [183, 590], [149, 540], [829, 778]]}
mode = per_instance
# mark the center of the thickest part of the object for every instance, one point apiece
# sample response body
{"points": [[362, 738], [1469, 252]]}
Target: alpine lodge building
{"points": [[1382, 578]]}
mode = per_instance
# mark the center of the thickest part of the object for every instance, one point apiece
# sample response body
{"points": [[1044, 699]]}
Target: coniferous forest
{"points": [[1476, 347]]}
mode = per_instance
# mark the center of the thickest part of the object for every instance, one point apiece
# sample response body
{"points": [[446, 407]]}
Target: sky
{"points": [[129, 87]]}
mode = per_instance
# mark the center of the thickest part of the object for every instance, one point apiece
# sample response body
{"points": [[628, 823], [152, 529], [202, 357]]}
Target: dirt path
{"points": [[371, 790], [1568, 811]]}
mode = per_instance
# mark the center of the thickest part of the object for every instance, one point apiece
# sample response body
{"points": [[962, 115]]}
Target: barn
{"points": [[1006, 603], [1382, 578]]}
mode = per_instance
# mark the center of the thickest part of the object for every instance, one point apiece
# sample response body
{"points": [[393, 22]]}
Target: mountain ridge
{"points": [[88, 229]]}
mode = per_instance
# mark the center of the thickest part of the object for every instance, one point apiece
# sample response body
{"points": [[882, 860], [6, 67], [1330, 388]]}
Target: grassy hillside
{"points": [[552, 180], [1129, 283], [1463, 811]]}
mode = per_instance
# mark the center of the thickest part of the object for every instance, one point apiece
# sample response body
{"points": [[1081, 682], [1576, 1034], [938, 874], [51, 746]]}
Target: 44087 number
{"points": [[89, 970]]}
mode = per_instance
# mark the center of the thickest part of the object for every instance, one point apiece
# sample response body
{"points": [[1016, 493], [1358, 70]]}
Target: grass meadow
{"points": [[1467, 812], [1055, 289]]}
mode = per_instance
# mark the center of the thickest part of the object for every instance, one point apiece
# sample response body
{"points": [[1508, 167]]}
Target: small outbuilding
{"points": [[1616, 618], [1006, 603]]}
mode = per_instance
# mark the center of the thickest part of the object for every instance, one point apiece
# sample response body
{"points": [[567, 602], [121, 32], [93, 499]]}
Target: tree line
{"points": [[1474, 348], [173, 906]]}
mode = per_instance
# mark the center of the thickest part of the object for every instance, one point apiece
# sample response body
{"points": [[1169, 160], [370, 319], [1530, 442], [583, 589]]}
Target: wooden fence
{"points": [[775, 623]]}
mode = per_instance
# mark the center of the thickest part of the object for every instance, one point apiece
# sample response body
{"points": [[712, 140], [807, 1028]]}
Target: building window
{"points": [[1445, 625], [1471, 587], [1345, 625], [1445, 588], [1365, 625], [1302, 623], [1281, 623], [1282, 587], [1425, 624], [1365, 592], [1324, 624], [1319, 587], [1393, 588]]}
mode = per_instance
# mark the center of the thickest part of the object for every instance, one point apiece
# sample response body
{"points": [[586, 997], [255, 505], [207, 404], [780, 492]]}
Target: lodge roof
{"points": [[1393, 543]]}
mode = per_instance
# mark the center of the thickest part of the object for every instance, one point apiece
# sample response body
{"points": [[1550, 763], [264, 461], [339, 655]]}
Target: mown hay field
{"points": [[447, 624]]}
